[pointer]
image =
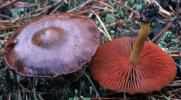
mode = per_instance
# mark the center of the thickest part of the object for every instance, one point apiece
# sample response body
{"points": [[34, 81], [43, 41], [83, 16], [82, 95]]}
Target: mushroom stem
{"points": [[139, 43]]}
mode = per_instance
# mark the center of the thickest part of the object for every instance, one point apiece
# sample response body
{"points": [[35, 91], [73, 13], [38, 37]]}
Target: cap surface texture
{"points": [[52, 45]]}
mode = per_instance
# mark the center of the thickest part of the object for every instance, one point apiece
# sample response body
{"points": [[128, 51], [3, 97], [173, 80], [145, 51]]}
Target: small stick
{"points": [[124, 96], [106, 33], [91, 82], [81, 6], [2, 51], [175, 84], [8, 3], [161, 10], [5, 16], [156, 39], [175, 54], [105, 4]]}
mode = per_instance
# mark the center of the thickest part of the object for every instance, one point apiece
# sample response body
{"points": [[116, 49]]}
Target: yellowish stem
{"points": [[139, 43]]}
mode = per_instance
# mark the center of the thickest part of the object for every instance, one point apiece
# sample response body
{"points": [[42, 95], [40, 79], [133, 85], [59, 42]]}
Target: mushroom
{"points": [[52, 45], [132, 65]]}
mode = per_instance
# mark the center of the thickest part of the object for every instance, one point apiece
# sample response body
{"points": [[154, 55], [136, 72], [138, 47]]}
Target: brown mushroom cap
{"points": [[52, 45], [112, 69]]}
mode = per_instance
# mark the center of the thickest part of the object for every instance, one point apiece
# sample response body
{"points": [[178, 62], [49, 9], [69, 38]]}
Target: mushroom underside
{"points": [[112, 70]]}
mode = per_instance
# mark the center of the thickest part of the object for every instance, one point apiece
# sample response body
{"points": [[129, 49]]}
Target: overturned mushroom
{"points": [[133, 65], [118, 68], [52, 45]]}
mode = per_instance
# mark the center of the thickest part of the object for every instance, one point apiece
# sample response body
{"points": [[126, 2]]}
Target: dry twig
{"points": [[156, 39], [162, 11], [7, 3], [106, 33]]}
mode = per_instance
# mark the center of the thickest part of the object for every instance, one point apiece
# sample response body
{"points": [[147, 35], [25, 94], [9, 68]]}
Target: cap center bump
{"points": [[48, 37]]}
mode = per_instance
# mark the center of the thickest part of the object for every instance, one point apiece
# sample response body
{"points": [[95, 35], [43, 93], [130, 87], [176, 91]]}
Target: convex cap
{"points": [[52, 45]]}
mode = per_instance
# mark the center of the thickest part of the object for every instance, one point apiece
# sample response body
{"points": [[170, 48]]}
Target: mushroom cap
{"points": [[52, 45], [112, 69]]}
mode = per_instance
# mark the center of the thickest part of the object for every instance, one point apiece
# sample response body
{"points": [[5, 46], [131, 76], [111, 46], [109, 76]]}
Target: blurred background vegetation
{"points": [[114, 18]]}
